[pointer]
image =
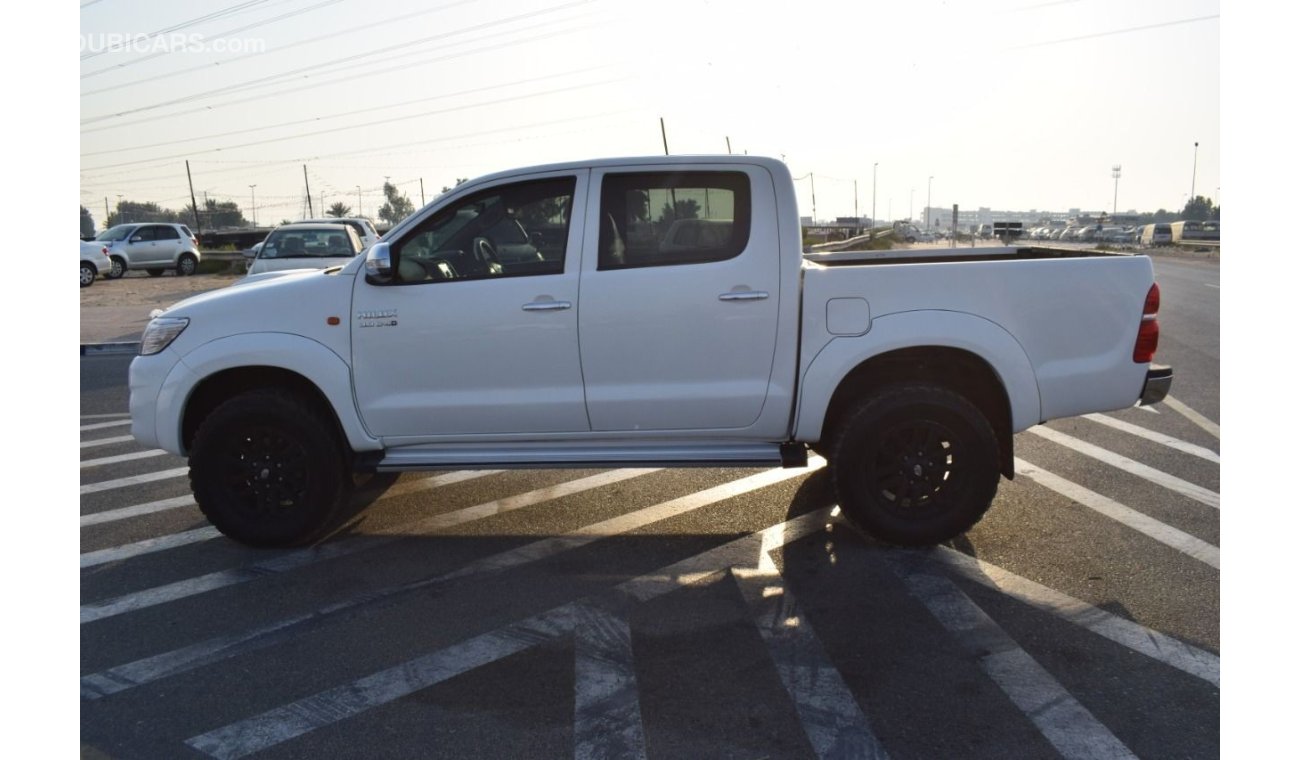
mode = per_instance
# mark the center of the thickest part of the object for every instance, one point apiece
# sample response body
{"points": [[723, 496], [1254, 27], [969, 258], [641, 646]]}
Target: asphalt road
{"points": [[628, 613]]}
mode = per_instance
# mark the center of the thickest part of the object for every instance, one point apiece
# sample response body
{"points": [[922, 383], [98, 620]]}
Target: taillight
{"points": [[1148, 338], [104, 250], [195, 241]]}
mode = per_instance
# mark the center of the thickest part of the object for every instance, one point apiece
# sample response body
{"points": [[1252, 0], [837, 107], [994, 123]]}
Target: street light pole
{"points": [[359, 201], [1196, 146], [1114, 172], [253, 189], [929, 187]]}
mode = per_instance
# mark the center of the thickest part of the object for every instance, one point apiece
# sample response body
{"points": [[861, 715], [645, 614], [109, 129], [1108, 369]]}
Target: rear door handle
{"points": [[547, 306], [748, 295]]}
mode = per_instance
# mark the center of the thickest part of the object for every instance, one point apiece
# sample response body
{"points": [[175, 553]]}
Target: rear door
{"points": [[680, 297], [167, 244]]}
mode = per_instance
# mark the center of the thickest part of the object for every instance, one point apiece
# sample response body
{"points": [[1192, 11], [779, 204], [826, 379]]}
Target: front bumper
{"points": [[1156, 387]]}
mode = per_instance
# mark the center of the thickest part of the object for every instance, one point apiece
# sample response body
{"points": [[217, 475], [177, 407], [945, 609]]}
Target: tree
{"points": [[87, 223], [1200, 209], [459, 181], [131, 212], [339, 210], [215, 215], [398, 206], [683, 209]]}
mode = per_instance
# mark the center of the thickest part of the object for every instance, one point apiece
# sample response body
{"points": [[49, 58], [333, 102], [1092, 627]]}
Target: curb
{"points": [[125, 347]]}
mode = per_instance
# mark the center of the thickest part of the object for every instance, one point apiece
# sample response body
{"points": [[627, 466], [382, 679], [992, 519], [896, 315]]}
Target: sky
{"points": [[1006, 104]]}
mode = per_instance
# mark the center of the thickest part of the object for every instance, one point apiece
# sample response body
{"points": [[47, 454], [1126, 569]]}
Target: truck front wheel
{"points": [[266, 469], [915, 465]]}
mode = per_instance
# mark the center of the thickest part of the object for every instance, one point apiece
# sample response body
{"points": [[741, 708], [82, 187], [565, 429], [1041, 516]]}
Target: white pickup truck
{"points": [[908, 371]]}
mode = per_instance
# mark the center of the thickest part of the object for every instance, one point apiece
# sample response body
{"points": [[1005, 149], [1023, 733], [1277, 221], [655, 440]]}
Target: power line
{"points": [[228, 11], [368, 109], [1115, 32], [382, 50], [533, 38], [350, 32], [228, 32], [373, 123]]}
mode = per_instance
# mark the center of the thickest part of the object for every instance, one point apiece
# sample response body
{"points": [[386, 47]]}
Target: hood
{"points": [[261, 265]]}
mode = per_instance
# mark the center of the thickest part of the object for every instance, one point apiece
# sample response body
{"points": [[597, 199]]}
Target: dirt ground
{"points": [[118, 310]]}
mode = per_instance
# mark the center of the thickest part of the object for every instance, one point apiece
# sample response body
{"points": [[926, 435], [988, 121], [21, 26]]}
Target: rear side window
{"points": [[164, 232], [666, 218]]}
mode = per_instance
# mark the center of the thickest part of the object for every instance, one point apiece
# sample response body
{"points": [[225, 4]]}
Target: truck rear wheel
{"points": [[266, 469], [915, 465]]}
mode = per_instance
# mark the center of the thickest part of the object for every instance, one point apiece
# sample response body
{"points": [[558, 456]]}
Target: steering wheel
{"points": [[434, 269], [485, 256]]}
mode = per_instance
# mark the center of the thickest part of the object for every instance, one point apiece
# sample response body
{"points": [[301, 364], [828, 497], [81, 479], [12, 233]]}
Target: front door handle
{"points": [[748, 295], [547, 306]]}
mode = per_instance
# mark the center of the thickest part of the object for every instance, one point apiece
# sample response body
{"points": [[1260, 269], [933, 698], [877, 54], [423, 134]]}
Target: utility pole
{"points": [[664, 133], [358, 200], [910, 198], [253, 190], [106, 214], [194, 203], [1196, 146], [728, 146], [310, 211], [421, 192], [855, 201]]}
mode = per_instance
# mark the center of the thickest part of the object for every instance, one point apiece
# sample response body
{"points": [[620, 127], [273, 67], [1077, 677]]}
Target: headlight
{"points": [[160, 333]]}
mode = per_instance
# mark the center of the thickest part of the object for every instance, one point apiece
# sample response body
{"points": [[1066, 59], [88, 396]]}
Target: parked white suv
{"points": [[152, 247]]}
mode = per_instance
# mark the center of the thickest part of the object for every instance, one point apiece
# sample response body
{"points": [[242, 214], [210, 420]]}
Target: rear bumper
{"points": [[1157, 384]]}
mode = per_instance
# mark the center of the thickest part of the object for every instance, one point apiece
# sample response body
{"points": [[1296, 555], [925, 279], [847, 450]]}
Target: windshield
{"points": [[113, 234], [309, 243]]}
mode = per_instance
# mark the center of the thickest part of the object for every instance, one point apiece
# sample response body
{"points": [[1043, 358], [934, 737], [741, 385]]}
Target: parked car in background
{"points": [[305, 246], [364, 228], [94, 262], [155, 248]]}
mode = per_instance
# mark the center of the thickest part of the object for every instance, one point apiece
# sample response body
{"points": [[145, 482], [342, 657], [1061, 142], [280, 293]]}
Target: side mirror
{"points": [[249, 253], [137, 239], [379, 264], [536, 240]]}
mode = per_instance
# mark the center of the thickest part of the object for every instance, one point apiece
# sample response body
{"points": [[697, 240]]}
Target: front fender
{"points": [[308, 358], [914, 329]]}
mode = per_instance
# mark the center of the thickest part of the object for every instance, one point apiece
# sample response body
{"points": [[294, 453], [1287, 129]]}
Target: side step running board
{"points": [[570, 456]]}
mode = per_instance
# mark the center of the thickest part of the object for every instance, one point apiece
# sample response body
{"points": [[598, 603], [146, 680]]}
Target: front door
{"points": [[465, 342]]}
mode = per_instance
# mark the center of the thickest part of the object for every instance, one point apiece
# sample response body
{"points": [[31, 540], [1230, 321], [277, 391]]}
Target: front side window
{"points": [[512, 230], [144, 234], [668, 218], [114, 234]]}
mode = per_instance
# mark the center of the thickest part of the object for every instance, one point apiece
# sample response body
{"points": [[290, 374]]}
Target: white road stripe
{"points": [[295, 719], [212, 650], [296, 559], [606, 703], [280, 724], [148, 477], [1209, 285], [148, 546], [105, 416], [112, 515], [1059, 717], [107, 441], [102, 425], [1196, 417], [121, 458], [1167, 535], [1140, 639], [188, 501], [1163, 479], [1151, 435], [830, 716]]}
